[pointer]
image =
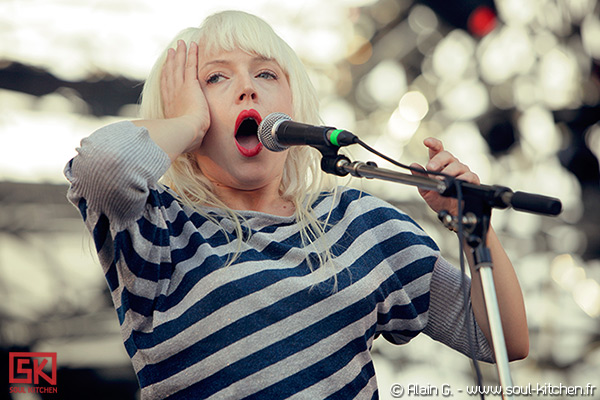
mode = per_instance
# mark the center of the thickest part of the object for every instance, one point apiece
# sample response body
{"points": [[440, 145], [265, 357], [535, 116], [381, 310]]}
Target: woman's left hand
{"points": [[441, 160]]}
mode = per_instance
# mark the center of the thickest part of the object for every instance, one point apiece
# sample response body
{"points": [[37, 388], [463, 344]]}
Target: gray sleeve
{"points": [[446, 321], [114, 170]]}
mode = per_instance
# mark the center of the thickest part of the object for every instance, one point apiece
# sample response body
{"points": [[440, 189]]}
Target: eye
{"points": [[267, 75], [215, 78]]}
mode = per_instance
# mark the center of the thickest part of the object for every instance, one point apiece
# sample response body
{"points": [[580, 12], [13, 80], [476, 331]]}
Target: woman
{"points": [[245, 274]]}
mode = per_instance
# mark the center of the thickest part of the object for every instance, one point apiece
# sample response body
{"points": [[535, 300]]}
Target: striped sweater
{"points": [[267, 326]]}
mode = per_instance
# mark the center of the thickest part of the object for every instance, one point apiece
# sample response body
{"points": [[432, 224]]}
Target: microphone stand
{"points": [[478, 203]]}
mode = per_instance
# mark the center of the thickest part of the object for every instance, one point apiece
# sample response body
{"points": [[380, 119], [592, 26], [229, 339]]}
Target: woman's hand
{"points": [[181, 93], [509, 295], [441, 160]]}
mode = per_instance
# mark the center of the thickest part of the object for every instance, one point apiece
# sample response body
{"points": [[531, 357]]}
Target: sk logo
{"points": [[31, 366]]}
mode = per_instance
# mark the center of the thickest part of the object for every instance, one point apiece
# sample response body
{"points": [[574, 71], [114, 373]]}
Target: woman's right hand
{"points": [[182, 95]]}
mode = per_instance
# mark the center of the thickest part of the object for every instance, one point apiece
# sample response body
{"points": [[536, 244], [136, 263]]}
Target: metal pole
{"points": [[483, 261], [491, 304]]}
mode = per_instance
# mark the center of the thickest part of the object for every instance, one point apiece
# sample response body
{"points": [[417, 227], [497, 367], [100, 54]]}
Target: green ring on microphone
{"points": [[334, 136]]}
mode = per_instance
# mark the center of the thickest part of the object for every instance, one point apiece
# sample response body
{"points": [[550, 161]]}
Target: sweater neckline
{"points": [[250, 214]]}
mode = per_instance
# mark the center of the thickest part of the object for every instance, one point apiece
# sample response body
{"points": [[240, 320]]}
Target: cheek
{"points": [[281, 159], [218, 129], [212, 145], [287, 99]]}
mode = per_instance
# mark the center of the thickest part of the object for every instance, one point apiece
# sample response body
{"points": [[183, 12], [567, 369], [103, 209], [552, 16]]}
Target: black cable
{"points": [[463, 283], [396, 163]]}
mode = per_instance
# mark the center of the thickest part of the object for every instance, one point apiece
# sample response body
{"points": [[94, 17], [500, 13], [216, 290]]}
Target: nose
{"points": [[248, 94], [247, 91]]}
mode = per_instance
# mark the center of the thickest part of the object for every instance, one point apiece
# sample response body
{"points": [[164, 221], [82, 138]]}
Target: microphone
{"points": [[277, 132]]}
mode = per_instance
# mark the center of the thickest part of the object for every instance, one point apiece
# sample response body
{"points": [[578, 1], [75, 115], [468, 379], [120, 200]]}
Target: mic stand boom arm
{"points": [[478, 203]]}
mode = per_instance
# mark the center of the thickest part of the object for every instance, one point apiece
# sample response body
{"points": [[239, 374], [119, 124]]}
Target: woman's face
{"points": [[241, 89]]}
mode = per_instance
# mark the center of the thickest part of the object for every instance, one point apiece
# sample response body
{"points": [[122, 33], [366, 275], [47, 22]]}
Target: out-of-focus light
{"points": [[502, 96], [566, 239], [385, 11], [465, 100], [539, 132], [413, 106], [481, 21], [338, 112], [74, 39], [464, 140], [553, 16], [517, 12], [565, 271], [427, 40], [587, 296], [548, 177], [579, 9], [428, 71], [360, 50], [322, 46], [505, 53], [590, 35], [401, 128], [422, 19], [592, 139], [47, 137], [453, 56], [526, 92], [386, 83], [570, 276], [559, 78], [544, 41], [523, 225]]}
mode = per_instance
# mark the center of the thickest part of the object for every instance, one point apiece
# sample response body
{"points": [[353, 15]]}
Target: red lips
{"points": [[246, 133]]}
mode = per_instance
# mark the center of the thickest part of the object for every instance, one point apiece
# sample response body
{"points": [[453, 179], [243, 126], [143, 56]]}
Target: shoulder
{"points": [[358, 211], [353, 202]]}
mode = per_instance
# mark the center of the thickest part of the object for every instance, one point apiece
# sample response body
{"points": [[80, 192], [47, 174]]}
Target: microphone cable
{"points": [[463, 283]]}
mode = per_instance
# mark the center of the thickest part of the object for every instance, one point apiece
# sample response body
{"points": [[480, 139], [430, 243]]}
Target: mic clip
{"points": [[332, 162], [469, 221]]}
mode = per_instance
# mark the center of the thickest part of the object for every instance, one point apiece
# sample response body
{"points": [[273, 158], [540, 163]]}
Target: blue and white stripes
{"points": [[266, 326]]}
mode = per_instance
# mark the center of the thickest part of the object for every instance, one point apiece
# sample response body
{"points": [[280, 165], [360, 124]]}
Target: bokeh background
{"points": [[512, 87]]}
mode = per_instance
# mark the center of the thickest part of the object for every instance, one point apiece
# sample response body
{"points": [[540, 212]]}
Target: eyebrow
{"points": [[226, 62]]}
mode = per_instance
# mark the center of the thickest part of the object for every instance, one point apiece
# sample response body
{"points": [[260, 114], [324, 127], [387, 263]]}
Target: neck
{"points": [[266, 200]]}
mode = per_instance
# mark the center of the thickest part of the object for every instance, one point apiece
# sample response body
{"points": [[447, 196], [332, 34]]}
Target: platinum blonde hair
{"points": [[302, 180]]}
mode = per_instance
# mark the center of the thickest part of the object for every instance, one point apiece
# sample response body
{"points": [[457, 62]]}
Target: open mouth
{"points": [[246, 133]]}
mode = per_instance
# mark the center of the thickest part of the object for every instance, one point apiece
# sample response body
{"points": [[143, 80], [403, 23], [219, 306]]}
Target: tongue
{"points": [[247, 141]]}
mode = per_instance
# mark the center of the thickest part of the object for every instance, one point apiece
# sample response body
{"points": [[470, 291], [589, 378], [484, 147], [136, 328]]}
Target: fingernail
{"points": [[432, 166]]}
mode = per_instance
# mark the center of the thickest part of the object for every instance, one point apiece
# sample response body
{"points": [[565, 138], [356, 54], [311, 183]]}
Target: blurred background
{"points": [[512, 88]]}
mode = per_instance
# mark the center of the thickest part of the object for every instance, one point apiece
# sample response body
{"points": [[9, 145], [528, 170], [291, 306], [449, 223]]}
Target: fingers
{"points": [[443, 161], [179, 79], [166, 77], [413, 171], [180, 65], [446, 163], [434, 145], [416, 166], [191, 64], [180, 57]]}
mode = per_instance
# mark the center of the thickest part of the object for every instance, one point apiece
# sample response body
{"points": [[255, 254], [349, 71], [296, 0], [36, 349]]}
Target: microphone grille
{"points": [[266, 133]]}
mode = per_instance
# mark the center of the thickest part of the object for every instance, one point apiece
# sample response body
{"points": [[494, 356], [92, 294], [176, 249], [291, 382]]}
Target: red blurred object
{"points": [[482, 21]]}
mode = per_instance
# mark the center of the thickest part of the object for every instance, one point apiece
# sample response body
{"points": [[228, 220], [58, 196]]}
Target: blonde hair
{"points": [[302, 180]]}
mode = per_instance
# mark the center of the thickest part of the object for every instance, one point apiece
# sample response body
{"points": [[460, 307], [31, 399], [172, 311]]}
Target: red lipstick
{"points": [[246, 133]]}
